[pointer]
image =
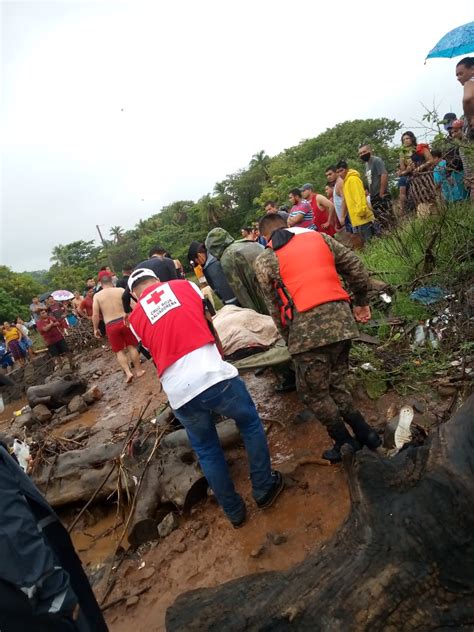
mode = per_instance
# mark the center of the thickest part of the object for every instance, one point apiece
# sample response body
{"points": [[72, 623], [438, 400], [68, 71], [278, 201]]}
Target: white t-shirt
{"points": [[194, 373]]}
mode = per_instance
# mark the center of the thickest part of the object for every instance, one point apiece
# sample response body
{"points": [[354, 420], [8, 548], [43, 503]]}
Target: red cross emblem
{"points": [[155, 297]]}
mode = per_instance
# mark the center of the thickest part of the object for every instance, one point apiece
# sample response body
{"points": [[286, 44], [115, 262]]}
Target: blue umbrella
{"points": [[459, 41]]}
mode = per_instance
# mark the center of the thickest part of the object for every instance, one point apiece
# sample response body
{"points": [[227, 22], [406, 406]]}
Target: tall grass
{"points": [[437, 249]]}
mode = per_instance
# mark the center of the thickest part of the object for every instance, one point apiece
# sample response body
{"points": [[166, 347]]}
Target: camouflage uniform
{"points": [[319, 340], [237, 259]]}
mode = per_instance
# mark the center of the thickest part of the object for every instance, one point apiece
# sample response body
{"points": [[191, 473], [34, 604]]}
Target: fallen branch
{"points": [[92, 498]]}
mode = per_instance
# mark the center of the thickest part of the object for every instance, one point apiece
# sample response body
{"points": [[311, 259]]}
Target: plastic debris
{"points": [[385, 297], [22, 452], [398, 430], [420, 336], [427, 295], [367, 367], [25, 409]]}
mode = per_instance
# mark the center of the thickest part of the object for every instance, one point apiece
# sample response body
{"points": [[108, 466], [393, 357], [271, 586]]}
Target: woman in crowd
{"points": [[458, 157], [13, 338], [26, 343], [415, 182]]}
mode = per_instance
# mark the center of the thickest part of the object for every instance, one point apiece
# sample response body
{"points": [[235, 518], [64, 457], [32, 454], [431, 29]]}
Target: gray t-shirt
{"points": [[374, 168]]}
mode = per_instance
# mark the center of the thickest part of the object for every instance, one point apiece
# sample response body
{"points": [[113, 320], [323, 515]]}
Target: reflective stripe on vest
{"points": [[308, 273]]}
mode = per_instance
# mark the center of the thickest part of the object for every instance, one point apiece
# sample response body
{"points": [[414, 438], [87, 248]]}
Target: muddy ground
{"points": [[205, 550]]}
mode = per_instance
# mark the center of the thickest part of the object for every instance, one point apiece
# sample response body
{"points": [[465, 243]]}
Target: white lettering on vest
{"points": [[159, 302]]}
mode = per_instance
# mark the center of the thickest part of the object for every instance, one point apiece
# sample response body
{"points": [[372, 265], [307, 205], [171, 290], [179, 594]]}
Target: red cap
{"points": [[104, 273]]}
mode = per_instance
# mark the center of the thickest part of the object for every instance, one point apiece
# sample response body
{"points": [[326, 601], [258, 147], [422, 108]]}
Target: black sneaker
{"points": [[274, 491], [333, 455], [237, 523]]}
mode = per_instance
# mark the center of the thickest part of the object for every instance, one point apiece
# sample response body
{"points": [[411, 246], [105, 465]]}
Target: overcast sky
{"points": [[111, 110]]}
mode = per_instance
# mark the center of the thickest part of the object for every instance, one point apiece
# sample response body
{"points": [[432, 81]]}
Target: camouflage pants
{"points": [[321, 381]]}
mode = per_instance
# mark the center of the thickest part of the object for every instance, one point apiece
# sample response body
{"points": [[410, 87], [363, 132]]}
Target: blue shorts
{"points": [[403, 181]]}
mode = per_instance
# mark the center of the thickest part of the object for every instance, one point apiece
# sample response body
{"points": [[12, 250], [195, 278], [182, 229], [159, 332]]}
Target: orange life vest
{"points": [[308, 274]]}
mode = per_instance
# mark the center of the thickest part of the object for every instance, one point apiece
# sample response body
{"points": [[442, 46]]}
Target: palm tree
{"points": [[211, 211], [117, 233], [262, 160], [59, 255]]}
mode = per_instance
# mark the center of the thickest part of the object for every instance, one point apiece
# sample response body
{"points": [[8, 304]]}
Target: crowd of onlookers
{"points": [[362, 205]]}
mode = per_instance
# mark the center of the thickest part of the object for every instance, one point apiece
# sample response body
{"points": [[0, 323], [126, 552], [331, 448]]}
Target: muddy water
{"points": [[96, 542], [7, 414]]}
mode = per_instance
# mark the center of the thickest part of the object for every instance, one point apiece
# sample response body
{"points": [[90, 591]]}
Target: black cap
{"points": [[194, 248]]}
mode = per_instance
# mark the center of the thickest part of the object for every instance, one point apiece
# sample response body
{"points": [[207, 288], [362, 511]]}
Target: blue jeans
{"points": [[231, 399], [365, 230]]}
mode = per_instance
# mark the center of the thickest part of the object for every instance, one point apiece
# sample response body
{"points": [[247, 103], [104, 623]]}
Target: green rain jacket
{"points": [[237, 260]]}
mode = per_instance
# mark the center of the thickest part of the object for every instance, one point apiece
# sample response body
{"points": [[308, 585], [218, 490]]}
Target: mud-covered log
{"points": [[403, 560], [56, 393], [227, 431], [173, 479], [75, 475]]}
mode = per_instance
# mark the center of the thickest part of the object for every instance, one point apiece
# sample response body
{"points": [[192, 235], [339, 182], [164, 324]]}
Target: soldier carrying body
{"points": [[298, 274]]}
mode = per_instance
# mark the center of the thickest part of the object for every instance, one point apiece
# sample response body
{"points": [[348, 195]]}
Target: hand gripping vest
{"points": [[308, 275]]}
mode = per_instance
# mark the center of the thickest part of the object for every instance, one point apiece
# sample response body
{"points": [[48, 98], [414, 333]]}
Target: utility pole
{"points": [[104, 244]]}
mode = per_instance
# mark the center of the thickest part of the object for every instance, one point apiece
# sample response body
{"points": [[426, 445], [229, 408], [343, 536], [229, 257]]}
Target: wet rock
{"points": [[168, 525], [418, 405], [203, 532], [147, 573], [426, 421], [179, 547], [41, 413], [447, 391], [277, 538], [26, 420], [132, 601], [93, 395], [77, 404], [258, 551]]}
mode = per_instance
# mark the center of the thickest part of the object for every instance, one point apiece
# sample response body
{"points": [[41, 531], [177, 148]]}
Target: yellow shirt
{"points": [[11, 334]]}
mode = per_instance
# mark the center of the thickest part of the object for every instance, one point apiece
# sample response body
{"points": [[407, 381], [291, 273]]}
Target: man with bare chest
{"points": [[108, 302]]}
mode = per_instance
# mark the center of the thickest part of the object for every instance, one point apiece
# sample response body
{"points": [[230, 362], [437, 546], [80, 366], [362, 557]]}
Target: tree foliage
{"points": [[16, 292]]}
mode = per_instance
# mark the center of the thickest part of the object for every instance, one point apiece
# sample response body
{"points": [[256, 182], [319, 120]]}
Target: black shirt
{"points": [[163, 268]]}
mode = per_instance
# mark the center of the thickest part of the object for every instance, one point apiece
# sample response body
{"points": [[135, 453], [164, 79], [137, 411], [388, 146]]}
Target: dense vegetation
{"points": [[235, 201]]}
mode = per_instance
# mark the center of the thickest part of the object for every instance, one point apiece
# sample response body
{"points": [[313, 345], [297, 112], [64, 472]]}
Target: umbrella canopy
{"points": [[459, 41], [62, 295], [44, 296]]}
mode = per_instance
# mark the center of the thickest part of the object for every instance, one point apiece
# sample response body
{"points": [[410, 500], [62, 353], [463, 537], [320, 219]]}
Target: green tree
{"points": [[117, 233], [10, 307], [77, 253]]}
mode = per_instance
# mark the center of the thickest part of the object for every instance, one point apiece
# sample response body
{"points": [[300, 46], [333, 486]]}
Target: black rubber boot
{"points": [[363, 432], [287, 380], [341, 437]]}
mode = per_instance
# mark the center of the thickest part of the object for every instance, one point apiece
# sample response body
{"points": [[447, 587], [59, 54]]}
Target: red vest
{"points": [[169, 320], [308, 273]]}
